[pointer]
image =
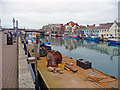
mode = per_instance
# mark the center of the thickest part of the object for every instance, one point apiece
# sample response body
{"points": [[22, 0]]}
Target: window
{"points": [[110, 34], [107, 30], [102, 30], [107, 35], [104, 34]]}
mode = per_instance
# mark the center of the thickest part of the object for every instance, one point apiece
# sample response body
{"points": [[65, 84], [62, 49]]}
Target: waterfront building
{"points": [[91, 30], [80, 31], [70, 27], [53, 28], [109, 30]]}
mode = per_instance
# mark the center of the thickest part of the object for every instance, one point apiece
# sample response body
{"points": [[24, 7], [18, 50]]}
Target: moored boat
{"points": [[93, 38], [45, 44], [114, 40], [56, 35], [76, 37], [46, 34]]}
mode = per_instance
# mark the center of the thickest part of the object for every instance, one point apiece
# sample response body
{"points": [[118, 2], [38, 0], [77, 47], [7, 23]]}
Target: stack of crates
{"points": [[83, 63]]}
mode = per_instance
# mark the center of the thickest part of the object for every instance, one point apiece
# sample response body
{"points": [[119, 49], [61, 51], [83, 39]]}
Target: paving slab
{"points": [[0, 60], [9, 64]]}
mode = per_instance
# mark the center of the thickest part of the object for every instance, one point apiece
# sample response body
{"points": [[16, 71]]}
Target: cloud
{"points": [[36, 13]]}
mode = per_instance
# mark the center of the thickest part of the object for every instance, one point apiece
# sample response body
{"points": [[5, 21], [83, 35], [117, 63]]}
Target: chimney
{"points": [[87, 25], [93, 24], [114, 21]]}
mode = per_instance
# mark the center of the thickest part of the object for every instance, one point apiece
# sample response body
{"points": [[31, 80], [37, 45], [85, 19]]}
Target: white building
{"points": [[108, 30], [70, 27]]}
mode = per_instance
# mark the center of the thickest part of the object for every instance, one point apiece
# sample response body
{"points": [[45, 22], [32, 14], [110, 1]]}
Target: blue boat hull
{"points": [[114, 42], [47, 47], [116, 45], [93, 39]]}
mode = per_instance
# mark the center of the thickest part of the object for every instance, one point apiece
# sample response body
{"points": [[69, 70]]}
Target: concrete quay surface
{"points": [[0, 60], [9, 64], [14, 74], [25, 79]]}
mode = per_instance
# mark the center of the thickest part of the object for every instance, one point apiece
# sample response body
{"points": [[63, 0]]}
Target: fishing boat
{"points": [[56, 35], [75, 37], [81, 37], [29, 41], [114, 40], [46, 34], [93, 38], [45, 44]]}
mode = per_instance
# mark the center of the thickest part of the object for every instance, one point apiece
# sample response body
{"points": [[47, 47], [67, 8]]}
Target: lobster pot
{"points": [[78, 62], [54, 58], [84, 64]]}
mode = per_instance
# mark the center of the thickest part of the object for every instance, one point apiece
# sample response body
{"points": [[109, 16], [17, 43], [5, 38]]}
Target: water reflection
{"points": [[103, 56], [71, 44]]}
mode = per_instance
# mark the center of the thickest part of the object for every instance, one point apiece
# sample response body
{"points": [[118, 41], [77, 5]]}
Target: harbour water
{"points": [[104, 57]]}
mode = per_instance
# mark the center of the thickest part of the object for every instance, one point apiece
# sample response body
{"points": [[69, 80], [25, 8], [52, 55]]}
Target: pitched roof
{"points": [[72, 23], [105, 26]]}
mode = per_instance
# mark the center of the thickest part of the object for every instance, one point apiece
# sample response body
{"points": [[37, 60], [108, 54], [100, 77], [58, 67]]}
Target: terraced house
{"points": [[91, 30], [88, 31], [109, 30]]}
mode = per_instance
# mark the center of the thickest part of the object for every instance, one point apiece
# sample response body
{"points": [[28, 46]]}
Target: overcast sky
{"points": [[36, 13]]}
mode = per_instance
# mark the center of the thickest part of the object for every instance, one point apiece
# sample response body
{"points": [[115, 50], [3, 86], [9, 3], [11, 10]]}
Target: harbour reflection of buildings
{"points": [[71, 44], [103, 48]]}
